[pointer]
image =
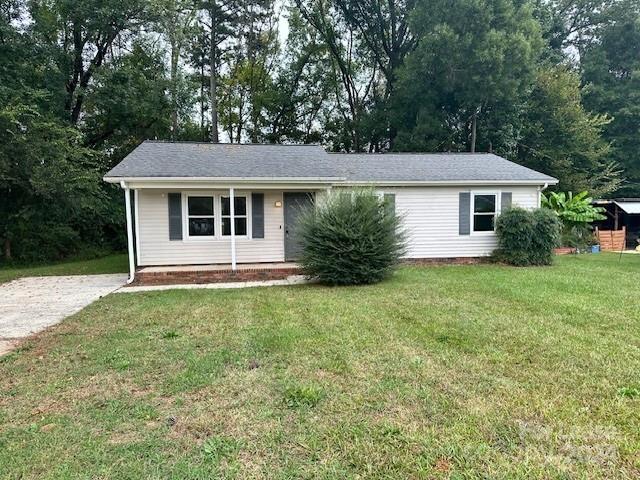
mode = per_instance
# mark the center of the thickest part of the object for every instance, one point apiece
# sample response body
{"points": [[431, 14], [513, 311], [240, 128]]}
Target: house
{"points": [[234, 204]]}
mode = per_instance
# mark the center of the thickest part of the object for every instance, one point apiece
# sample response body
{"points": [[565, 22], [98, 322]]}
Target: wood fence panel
{"points": [[611, 240]]}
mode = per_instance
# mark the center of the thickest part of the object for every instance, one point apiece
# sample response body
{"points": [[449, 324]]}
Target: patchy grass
{"points": [[116, 263], [446, 372]]}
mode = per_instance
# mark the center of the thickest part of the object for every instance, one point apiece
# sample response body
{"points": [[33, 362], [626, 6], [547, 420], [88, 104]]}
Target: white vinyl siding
{"points": [[430, 217], [157, 249]]}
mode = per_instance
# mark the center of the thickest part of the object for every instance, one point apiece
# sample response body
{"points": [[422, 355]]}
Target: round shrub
{"points": [[527, 237], [546, 236], [351, 238]]}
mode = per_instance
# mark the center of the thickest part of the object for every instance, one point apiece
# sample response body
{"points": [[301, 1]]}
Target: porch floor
{"points": [[215, 273], [226, 267]]}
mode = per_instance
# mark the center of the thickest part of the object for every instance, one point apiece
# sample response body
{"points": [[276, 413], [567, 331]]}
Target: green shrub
{"points": [[527, 237], [351, 238]]}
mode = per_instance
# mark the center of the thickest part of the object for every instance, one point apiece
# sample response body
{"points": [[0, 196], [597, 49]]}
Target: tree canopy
{"points": [[551, 84]]}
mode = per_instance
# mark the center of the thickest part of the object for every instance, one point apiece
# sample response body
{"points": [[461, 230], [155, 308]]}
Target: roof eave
{"points": [[226, 180], [403, 183], [326, 181]]}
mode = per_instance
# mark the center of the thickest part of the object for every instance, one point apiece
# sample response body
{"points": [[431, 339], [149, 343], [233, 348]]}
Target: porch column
{"points": [[232, 220], [127, 207]]}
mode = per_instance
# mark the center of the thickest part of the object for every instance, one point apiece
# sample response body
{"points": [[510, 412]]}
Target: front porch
{"points": [[197, 274]]}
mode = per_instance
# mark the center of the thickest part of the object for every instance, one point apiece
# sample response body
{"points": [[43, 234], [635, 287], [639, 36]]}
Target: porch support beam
{"points": [[130, 250], [232, 220]]}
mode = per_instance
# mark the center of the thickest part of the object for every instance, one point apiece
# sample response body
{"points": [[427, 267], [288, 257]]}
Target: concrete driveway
{"points": [[29, 305]]}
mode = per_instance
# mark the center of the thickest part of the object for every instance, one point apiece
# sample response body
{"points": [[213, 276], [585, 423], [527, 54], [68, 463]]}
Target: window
{"points": [[484, 212], [239, 212], [201, 221]]}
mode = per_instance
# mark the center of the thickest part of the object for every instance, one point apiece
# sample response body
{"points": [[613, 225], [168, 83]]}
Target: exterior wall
{"points": [[155, 248], [430, 217]]}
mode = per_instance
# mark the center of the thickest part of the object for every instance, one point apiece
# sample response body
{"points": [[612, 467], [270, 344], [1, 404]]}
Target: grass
{"points": [[115, 263], [445, 372]]}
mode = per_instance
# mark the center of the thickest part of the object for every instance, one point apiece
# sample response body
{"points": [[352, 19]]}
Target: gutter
{"points": [[330, 181], [540, 190]]}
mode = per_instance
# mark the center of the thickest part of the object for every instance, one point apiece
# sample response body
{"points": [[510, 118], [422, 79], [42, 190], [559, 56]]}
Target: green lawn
{"points": [[444, 372], [116, 263]]}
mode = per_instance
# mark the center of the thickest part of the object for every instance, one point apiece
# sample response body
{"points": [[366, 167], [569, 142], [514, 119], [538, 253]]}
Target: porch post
{"points": [[127, 207], [232, 219]]}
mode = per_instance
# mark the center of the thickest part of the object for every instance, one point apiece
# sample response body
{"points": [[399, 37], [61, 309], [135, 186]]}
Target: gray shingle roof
{"points": [[432, 167], [197, 160], [190, 159]]}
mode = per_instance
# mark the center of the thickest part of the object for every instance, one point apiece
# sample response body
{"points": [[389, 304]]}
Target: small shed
{"points": [[621, 229]]}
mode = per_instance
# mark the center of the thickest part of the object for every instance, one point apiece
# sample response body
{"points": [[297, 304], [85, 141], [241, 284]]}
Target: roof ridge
{"points": [[380, 154], [197, 142]]}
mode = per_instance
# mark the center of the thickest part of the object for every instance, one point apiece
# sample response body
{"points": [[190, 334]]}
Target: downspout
{"points": [[540, 190], [127, 208]]}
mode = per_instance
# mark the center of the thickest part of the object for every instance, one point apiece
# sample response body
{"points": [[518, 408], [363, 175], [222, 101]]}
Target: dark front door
{"points": [[294, 203]]}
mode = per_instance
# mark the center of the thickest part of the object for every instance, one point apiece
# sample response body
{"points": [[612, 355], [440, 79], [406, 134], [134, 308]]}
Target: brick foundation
{"points": [[176, 277], [445, 261]]}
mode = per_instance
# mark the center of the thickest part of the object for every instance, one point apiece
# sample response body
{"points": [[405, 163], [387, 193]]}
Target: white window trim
{"points": [[247, 198], [185, 217], [498, 197], [217, 216]]}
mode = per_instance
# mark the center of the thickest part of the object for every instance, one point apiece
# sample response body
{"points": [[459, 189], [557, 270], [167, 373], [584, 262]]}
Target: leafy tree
{"points": [[175, 19], [220, 19], [562, 139], [128, 103], [611, 74], [384, 28], [353, 71], [81, 36], [301, 88], [471, 57], [50, 186]]}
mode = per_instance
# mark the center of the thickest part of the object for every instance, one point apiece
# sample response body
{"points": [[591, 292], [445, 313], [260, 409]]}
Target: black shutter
{"points": [[505, 201], [257, 215], [390, 202], [175, 216], [464, 214]]}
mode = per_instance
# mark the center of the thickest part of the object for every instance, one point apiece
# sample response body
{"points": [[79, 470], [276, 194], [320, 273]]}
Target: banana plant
{"points": [[573, 209]]}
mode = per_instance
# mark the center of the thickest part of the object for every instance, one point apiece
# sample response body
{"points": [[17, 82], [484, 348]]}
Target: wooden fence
{"points": [[612, 240]]}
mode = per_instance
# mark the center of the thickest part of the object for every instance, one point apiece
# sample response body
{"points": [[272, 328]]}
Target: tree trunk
{"points": [[474, 119], [213, 81], [202, 100], [175, 55], [7, 249]]}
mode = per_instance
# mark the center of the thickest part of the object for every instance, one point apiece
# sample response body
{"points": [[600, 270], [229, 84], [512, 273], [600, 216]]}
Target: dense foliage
{"points": [[573, 209], [576, 212], [351, 238], [527, 237], [550, 84]]}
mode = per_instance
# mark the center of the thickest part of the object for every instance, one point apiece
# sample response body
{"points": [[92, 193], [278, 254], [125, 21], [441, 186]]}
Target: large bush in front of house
{"points": [[576, 212], [527, 237], [351, 238]]}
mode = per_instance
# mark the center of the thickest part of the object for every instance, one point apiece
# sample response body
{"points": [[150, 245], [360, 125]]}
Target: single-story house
{"points": [[204, 203]]}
